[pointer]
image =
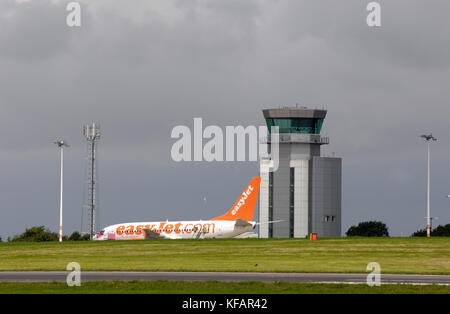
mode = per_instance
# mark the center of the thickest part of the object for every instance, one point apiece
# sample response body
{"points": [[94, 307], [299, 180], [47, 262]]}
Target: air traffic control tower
{"points": [[305, 191]]}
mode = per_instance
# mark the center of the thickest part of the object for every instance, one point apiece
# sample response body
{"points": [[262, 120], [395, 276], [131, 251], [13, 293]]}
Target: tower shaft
{"points": [[92, 134]]}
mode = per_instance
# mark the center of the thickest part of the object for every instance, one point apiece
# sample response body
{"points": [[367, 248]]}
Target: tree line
{"points": [[42, 234], [379, 229], [363, 229]]}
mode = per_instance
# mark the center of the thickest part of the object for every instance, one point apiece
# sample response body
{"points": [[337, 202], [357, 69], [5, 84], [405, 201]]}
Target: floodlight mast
{"points": [[61, 145], [428, 138]]}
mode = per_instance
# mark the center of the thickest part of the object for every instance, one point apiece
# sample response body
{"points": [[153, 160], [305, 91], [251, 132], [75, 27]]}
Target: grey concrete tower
{"points": [[305, 191]]}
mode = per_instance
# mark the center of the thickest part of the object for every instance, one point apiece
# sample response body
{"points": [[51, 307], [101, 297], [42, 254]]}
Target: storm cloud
{"points": [[142, 68]]}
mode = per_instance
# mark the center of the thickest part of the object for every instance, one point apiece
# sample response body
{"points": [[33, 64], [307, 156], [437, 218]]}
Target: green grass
{"points": [[215, 287], [395, 255]]}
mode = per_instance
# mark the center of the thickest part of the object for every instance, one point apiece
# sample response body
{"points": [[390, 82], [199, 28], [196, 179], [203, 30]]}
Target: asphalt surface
{"points": [[48, 276]]}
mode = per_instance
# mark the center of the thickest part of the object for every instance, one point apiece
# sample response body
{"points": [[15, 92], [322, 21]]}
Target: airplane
{"points": [[236, 221]]}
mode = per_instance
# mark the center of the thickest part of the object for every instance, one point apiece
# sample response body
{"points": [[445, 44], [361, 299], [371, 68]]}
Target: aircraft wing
{"points": [[149, 234], [241, 223]]}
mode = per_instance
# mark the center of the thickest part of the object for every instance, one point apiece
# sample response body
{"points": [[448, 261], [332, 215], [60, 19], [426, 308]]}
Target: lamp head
{"points": [[429, 137], [61, 143]]}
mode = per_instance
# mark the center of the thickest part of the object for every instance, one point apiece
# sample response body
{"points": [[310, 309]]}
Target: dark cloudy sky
{"points": [[142, 67]]}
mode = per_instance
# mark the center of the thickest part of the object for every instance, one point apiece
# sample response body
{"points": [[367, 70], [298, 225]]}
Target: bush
{"points": [[368, 229], [439, 231], [41, 234], [420, 233], [76, 236], [36, 234]]}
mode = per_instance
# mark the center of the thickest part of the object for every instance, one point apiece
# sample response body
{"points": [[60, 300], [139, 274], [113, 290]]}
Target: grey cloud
{"points": [[32, 30], [223, 61]]}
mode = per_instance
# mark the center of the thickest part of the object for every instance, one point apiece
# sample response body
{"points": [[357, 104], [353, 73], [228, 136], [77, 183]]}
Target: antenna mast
{"points": [[92, 134]]}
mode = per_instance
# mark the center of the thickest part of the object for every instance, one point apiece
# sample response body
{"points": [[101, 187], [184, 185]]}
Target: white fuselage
{"points": [[202, 229]]}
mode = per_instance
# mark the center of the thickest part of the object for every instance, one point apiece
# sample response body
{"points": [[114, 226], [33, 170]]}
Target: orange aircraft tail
{"points": [[244, 208]]}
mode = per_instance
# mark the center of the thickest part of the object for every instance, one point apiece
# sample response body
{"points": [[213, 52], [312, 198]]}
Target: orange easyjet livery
{"points": [[238, 220]]}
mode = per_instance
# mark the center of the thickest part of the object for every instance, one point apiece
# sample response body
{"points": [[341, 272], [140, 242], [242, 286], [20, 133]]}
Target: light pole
{"points": [[61, 145], [428, 138]]}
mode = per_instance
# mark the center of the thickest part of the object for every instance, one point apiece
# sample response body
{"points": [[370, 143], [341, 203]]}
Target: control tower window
{"points": [[296, 125]]}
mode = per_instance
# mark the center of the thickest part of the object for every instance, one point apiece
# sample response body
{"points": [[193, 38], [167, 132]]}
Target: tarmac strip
{"points": [[61, 276]]}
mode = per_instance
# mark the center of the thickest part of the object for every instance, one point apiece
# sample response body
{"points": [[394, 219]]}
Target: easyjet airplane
{"points": [[236, 221]]}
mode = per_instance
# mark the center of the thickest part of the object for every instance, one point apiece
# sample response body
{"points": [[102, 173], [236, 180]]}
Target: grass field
{"points": [[208, 287], [395, 255]]}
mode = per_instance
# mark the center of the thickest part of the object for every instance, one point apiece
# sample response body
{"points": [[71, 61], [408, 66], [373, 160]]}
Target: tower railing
{"points": [[297, 138]]}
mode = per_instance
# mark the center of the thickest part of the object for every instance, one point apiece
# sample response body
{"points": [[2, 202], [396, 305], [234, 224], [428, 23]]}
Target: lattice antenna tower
{"points": [[92, 134]]}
